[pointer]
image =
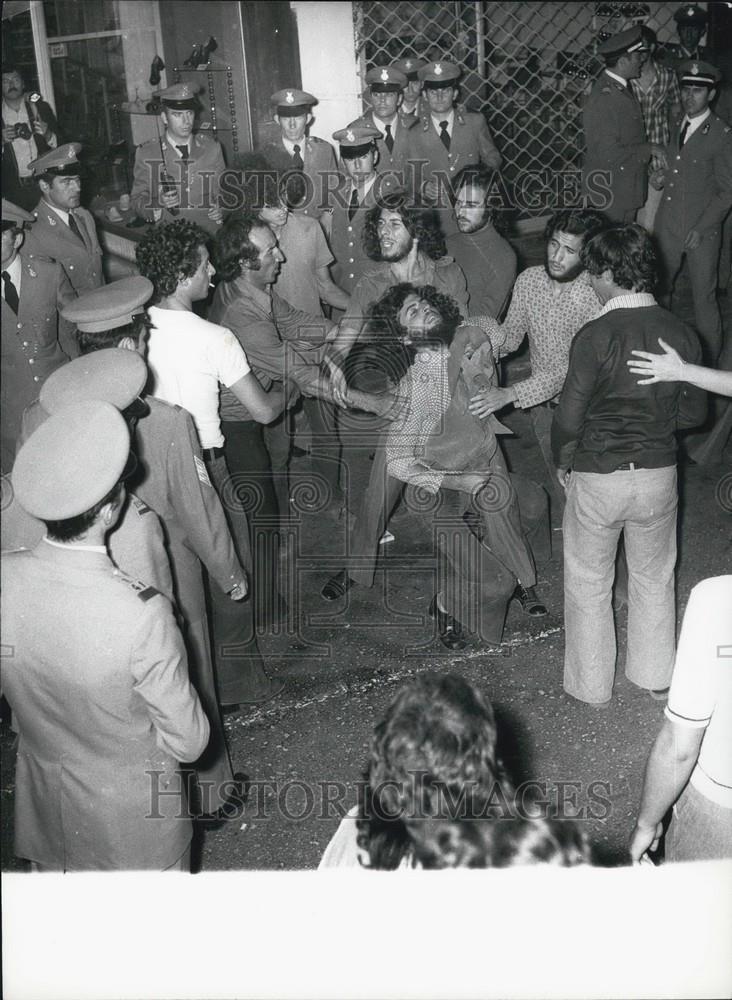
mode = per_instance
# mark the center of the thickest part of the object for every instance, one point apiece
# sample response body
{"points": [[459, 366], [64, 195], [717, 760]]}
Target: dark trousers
{"points": [[239, 664], [248, 462]]}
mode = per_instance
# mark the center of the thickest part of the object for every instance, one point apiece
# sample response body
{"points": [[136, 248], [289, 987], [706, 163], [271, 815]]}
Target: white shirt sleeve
{"points": [[230, 360]]}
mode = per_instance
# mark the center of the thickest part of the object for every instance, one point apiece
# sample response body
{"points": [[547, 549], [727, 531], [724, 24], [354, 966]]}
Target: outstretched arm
{"points": [[670, 367]]}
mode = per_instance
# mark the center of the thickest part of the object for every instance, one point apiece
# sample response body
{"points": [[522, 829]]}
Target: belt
{"points": [[210, 454], [628, 467]]}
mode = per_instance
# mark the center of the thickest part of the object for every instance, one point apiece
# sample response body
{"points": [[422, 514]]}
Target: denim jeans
{"points": [[641, 504]]}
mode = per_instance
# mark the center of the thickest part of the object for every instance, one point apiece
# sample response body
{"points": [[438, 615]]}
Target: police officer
{"points": [[136, 544], [63, 230], [294, 149], [412, 92], [386, 85], [697, 195], [448, 137], [691, 23], [34, 342], [98, 682], [186, 182], [357, 145], [615, 168]]}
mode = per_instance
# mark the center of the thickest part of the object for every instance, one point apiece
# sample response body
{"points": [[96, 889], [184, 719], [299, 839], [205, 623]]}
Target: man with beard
{"points": [[550, 303], [438, 447], [487, 259], [29, 131], [408, 246]]}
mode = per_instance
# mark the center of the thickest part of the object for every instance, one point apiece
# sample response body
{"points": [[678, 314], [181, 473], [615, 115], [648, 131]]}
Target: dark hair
{"points": [[420, 222], [648, 35], [15, 227], [8, 68], [169, 254], [435, 750], [499, 843], [100, 340], [627, 251], [381, 358], [475, 174], [233, 243], [583, 222], [74, 527]]}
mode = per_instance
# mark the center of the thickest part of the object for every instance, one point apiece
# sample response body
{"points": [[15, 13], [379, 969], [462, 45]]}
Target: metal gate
{"points": [[526, 67]]}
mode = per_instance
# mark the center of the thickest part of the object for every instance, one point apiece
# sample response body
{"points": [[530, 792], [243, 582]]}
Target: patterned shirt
{"points": [[425, 392], [656, 102], [550, 320]]}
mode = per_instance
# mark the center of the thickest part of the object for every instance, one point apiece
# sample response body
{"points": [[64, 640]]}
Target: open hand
{"points": [[487, 401], [666, 367]]}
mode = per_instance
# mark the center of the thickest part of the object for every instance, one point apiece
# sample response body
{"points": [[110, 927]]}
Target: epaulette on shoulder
{"points": [[139, 505], [143, 590]]}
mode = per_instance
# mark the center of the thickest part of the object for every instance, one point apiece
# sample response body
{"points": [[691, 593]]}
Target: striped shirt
{"points": [[656, 102]]}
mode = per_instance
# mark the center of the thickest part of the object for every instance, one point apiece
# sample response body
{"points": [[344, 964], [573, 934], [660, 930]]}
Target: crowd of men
{"points": [[359, 305]]}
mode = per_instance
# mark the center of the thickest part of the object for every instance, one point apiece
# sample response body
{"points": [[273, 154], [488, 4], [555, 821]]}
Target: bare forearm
{"points": [[667, 772], [331, 293], [708, 378], [381, 405]]}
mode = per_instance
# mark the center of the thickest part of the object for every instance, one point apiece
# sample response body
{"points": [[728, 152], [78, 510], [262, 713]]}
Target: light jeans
{"points": [[642, 504], [700, 829]]}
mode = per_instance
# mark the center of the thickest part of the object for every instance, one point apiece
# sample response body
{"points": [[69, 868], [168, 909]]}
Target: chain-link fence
{"points": [[526, 67]]}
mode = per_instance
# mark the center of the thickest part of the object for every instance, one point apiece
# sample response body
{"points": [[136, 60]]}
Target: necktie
{"points": [[682, 134], [74, 227], [183, 150], [297, 160], [11, 292], [444, 136], [389, 138], [353, 204]]}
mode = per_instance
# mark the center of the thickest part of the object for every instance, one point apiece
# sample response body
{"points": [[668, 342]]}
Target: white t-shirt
{"points": [[188, 358], [701, 687]]}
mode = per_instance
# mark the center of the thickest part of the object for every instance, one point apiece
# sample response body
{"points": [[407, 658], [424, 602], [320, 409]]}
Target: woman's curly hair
{"points": [[233, 244], [434, 753], [628, 252], [499, 843], [169, 254], [421, 223]]}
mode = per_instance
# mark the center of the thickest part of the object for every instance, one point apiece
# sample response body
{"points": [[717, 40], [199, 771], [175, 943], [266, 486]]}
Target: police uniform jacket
{"points": [[34, 343], [100, 693], [346, 236], [697, 191], [81, 259], [136, 544], [615, 141], [197, 180], [471, 143], [319, 163], [396, 160]]}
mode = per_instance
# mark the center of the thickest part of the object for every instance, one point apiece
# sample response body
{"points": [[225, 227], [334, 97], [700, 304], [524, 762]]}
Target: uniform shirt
{"points": [[701, 686], [550, 321], [604, 418], [693, 124], [425, 395], [303, 243], [188, 358]]}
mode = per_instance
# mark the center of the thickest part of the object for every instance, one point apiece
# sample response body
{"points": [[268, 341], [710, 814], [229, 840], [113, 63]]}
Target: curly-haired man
{"points": [[615, 451]]}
